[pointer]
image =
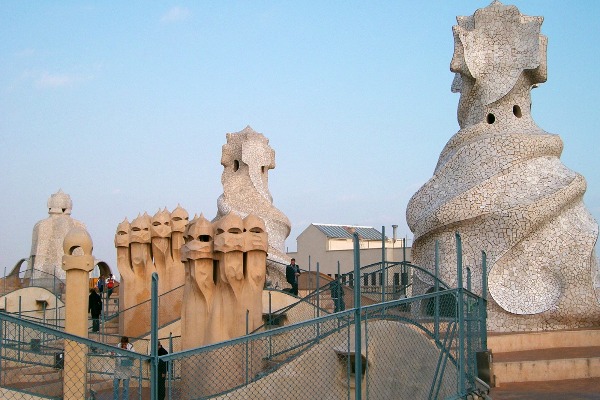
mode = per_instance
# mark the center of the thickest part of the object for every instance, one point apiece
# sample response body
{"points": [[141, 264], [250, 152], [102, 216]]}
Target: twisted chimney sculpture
{"points": [[499, 182]]}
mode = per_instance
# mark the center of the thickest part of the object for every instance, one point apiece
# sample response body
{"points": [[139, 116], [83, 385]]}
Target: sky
{"points": [[125, 105]]}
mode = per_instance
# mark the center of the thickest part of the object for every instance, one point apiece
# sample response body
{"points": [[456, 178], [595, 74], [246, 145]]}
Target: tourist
{"points": [[95, 308], [162, 373], [292, 272], [110, 285], [100, 284], [123, 369]]}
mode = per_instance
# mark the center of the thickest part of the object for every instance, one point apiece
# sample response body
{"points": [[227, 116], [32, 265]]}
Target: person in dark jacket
{"points": [[292, 272], [95, 308], [162, 373]]}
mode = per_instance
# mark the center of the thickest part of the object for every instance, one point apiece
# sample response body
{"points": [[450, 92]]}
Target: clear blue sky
{"points": [[125, 105]]}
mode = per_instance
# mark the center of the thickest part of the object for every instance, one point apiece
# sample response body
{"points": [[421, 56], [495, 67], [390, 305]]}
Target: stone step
{"points": [[545, 356], [508, 342], [44, 381], [547, 364]]}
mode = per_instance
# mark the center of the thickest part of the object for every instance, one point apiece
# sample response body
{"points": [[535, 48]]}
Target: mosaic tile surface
{"points": [[500, 183], [247, 159]]}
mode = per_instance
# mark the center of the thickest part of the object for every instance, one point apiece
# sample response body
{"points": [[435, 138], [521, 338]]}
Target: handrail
{"points": [[19, 277], [318, 291]]}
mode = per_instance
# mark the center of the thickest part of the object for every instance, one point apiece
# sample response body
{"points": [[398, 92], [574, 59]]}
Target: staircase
{"points": [[109, 326], [555, 358]]}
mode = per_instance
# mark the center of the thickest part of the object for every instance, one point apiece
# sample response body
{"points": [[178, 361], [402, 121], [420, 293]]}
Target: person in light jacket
{"points": [[123, 369]]}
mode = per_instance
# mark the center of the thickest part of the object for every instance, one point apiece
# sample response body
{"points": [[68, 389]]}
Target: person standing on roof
{"points": [[110, 284], [95, 308], [292, 272]]}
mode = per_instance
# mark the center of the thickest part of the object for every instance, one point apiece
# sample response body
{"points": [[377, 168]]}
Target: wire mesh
{"points": [[410, 349]]}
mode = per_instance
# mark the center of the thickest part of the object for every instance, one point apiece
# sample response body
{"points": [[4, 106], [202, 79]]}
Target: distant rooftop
{"points": [[345, 231]]}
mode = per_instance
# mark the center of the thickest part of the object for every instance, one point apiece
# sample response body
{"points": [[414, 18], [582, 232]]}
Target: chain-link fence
{"points": [[418, 347], [169, 311], [404, 353], [32, 277], [399, 352]]}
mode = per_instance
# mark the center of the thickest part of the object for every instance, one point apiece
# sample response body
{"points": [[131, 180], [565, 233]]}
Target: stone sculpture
{"points": [[225, 269], [47, 240], [155, 244], [500, 183], [247, 159], [147, 245]]}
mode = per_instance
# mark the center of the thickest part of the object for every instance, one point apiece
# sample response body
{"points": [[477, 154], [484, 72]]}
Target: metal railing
{"points": [[420, 347], [32, 277]]}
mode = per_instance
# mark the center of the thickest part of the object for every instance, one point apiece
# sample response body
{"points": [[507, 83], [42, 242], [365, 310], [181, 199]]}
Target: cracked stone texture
{"points": [[500, 183], [247, 159]]}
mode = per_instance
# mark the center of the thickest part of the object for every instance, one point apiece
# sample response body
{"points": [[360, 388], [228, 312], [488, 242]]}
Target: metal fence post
{"points": [[461, 318], [2, 344], [247, 356], [154, 338], [318, 292], [270, 326], [19, 332], [436, 286], [357, 330], [170, 367], [483, 301], [383, 279], [470, 359], [341, 292], [404, 269], [366, 355], [469, 279]]}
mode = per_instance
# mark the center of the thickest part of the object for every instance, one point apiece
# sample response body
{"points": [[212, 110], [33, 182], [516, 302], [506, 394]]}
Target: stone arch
{"points": [[104, 268], [17, 268]]}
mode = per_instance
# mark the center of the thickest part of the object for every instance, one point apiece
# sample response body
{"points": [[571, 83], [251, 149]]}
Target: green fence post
{"points": [[341, 293], [461, 317], [483, 310], [2, 344], [247, 350], [19, 332], [404, 269], [357, 330], [383, 280], [154, 338], [470, 358], [270, 325], [318, 292], [170, 367], [436, 288]]}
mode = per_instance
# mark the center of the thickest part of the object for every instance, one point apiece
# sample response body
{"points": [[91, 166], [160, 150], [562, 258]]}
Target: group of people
{"points": [[109, 283]]}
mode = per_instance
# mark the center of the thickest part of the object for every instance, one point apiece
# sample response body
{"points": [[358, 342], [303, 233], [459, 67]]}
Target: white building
{"points": [[329, 244]]}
